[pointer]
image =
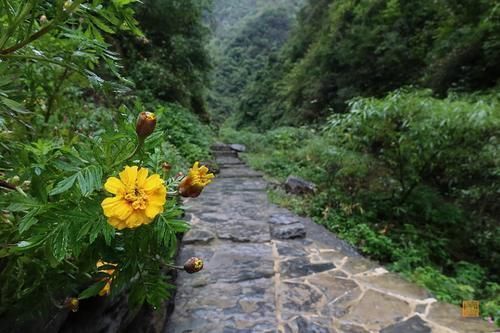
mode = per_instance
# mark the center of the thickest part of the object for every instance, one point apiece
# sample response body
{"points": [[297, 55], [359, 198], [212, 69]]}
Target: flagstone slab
{"points": [[413, 325], [394, 284], [449, 315], [376, 310]]}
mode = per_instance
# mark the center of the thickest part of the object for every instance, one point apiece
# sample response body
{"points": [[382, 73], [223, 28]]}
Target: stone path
{"points": [[262, 275]]}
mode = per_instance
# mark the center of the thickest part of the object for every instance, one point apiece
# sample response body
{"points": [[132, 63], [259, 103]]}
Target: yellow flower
{"points": [[107, 287], [138, 198], [197, 178]]}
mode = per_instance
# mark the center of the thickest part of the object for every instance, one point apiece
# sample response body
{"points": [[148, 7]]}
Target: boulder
{"points": [[238, 148], [296, 185]]}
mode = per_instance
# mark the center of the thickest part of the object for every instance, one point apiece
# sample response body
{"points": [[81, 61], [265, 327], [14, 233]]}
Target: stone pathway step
{"points": [[268, 270]]}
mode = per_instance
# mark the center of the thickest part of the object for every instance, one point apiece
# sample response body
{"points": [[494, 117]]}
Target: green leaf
{"points": [[101, 25], [28, 220], [13, 105], [178, 225], [64, 185], [89, 179], [24, 204], [60, 243], [93, 290]]}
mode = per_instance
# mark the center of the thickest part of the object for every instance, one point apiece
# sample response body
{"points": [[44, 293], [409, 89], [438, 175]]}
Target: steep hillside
{"points": [[245, 35], [345, 49]]}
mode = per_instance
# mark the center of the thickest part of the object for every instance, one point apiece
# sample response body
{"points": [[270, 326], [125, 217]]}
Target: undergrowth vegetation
{"points": [[409, 179]]}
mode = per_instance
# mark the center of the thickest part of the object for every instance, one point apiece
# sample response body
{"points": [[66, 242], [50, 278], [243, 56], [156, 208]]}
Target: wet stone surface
{"points": [[268, 270]]}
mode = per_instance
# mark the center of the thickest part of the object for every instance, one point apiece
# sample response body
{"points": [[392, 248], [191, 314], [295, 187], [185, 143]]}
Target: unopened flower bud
{"points": [[67, 5], [15, 180], [193, 265], [146, 123], [71, 303], [166, 167], [43, 20]]}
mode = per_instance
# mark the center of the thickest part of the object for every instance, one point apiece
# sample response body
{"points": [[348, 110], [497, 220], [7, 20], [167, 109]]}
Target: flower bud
{"points": [[196, 180], [15, 180], [67, 5], [166, 167], [43, 20], [146, 123], [71, 303], [193, 265]]}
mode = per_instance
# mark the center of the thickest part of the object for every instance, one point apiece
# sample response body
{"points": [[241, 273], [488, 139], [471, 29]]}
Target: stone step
{"points": [[220, 147], [227, 160], [239, 173], [222, 153]]}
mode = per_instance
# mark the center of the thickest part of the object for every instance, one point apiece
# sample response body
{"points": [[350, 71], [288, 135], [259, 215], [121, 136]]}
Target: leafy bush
{"points": [[67, 123]]}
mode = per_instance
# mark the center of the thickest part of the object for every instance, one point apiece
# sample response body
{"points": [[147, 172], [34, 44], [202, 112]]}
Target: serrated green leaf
{"points": [[60, 243], [178, 225], [24, 204], [101, 25], [89, 179], [63, 185], [28, 220]]}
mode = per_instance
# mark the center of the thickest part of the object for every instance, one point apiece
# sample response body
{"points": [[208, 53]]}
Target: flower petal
{"points": [[157, 198], [117, 223], [116, 207], [129, 176], [142, 174], [152, 183], [153, 210], [114, 186], [136, 219]]}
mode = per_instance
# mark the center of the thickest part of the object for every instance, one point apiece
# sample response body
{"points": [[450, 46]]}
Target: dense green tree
{"points": [[345, 49], [171, 61]]}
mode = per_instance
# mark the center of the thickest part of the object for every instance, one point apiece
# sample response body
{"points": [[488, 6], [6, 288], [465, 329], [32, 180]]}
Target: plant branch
{"points": [[53, 96]]}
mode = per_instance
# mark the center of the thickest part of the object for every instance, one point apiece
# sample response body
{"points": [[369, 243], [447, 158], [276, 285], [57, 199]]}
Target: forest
{"points": [[391, 108]]}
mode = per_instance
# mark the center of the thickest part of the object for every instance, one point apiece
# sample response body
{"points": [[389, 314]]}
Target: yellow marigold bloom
{"points": [[197, 178], [107, 287], [138, 198]]}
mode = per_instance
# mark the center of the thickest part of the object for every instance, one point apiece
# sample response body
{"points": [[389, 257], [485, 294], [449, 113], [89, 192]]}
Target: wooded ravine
{"points": [[110, 112]]}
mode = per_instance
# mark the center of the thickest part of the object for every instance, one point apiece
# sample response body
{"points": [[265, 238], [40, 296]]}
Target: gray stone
{"points": [[349, 328], [376, 310], [420, 308], [297, 267], [290, 231], [291, 249], [253, 231], [413, 325], [450, 316], [228, 160], [284, 219], [239, 173], [233, 262], [340, 307], [310, 325], [391, 282], [300, 299], [219, 146], [296, 185], [197, 235], [358, 265], [332, 287], [238, 147]]}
